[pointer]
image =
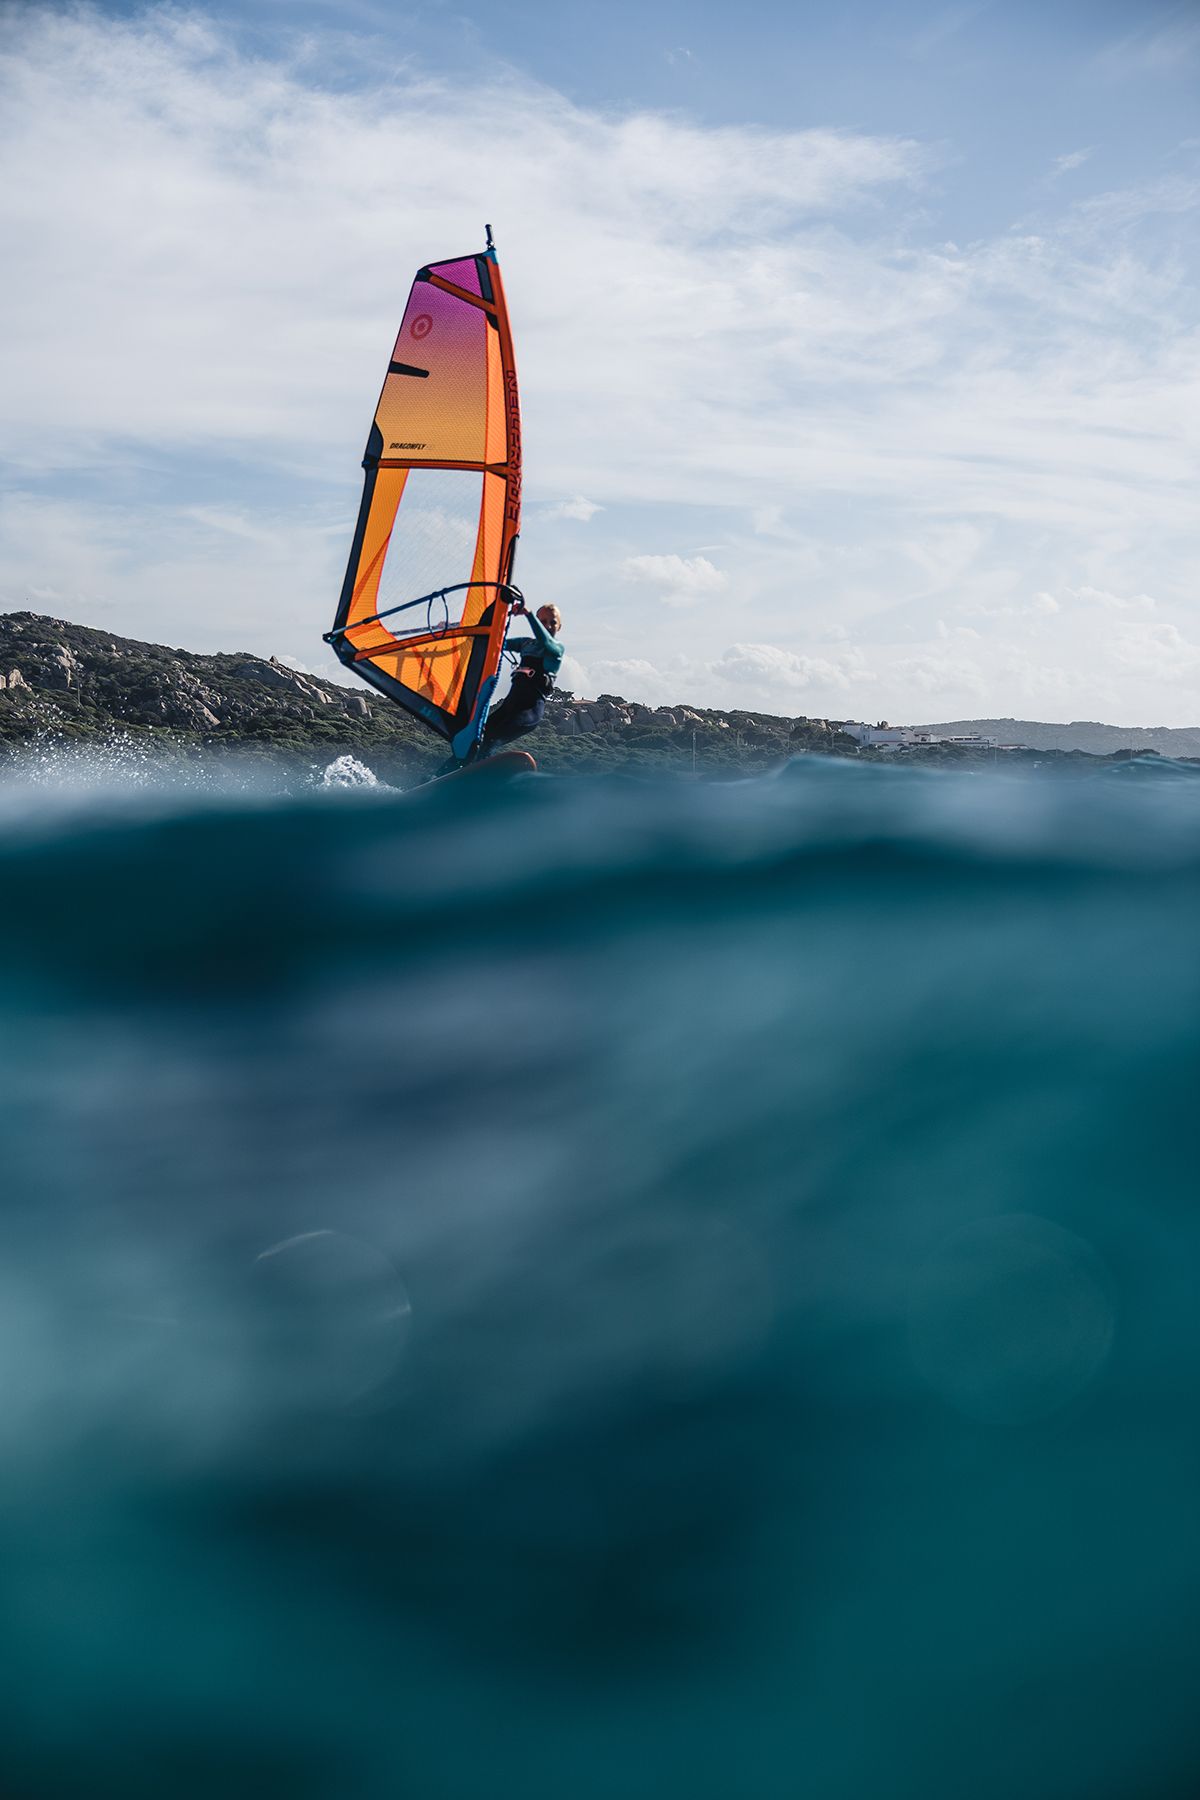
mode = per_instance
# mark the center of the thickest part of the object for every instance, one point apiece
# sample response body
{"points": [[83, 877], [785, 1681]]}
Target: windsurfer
{"points": [[524, 705], [541, 655]]}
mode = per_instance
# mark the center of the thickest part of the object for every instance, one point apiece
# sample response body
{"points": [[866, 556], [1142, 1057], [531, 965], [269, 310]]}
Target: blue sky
{"points": [[859, 345]]}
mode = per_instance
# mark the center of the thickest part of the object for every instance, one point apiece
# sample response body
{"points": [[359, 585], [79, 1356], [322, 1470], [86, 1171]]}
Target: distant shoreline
{"points": [[73, 684]]}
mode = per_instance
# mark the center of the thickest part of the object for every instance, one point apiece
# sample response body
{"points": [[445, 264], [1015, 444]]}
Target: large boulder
{"points": [[275, 674], [62, 668], [192, 713]]}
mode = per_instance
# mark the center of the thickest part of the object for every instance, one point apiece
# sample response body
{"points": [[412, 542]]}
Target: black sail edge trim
{"points": [[374, 449], [478, 257], [371, 467], [473, 678]]}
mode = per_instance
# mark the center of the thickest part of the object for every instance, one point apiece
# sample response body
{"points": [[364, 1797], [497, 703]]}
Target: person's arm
{"points": [[543, 636]]}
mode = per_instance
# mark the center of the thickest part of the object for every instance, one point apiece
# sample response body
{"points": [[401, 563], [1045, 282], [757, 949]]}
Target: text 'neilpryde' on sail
{"points": [[425, 603]]}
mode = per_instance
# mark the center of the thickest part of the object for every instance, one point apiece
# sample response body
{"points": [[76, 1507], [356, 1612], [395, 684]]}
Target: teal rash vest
{"points": [[540, 654]]}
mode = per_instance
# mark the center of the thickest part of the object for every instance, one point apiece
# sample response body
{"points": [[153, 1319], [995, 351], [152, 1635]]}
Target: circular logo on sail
{"points": [[421, 326]]}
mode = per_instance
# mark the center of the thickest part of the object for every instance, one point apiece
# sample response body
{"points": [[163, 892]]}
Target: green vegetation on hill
{"points": [[612, 733], [71, 683]]}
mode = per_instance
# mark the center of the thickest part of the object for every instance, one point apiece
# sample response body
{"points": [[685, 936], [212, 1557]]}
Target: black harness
{"points": [[542, 684]]}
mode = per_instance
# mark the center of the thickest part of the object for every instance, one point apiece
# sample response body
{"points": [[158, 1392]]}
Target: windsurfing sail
{"points": [[426, 599]]}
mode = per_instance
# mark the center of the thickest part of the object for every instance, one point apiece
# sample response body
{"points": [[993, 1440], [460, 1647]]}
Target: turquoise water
{"points": [[590, 1289]]}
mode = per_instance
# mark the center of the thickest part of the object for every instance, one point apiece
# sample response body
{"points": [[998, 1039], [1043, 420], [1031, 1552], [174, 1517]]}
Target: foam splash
{"points": [[347, 772], [120, 760]]}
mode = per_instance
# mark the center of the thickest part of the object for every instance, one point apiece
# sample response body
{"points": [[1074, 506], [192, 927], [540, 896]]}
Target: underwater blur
{"points": [[586, 1288]]}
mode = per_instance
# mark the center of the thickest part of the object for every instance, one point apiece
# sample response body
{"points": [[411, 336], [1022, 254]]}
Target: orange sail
{"points": [[426, 599]]}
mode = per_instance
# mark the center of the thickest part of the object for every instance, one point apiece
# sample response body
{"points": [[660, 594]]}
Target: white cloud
{"points": [[674, 682], [680, 580], [215, 241], [1125, 603], [1039, 606], [1157, 49], [1074, 159], [1160, 651], [940, 675], [578, 508], [1125, 207], [767, 668], [573, 676], [742, 675], [634, 678], [944, 552], [631, 668], [234, 524], [162, 574]]}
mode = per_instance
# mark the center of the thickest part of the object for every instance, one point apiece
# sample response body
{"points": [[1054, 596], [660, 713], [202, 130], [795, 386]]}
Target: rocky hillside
{"points": [[69, 682], [611, 733], [64, 681]]}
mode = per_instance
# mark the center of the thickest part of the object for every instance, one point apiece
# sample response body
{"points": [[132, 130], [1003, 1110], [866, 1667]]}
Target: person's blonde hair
{"points": [[551, 618]]}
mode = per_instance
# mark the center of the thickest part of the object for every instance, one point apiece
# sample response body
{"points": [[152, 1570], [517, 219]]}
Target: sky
{"points": [[859, 346]]}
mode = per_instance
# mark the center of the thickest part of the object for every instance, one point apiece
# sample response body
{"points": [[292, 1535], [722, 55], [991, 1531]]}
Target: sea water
{"points": [[582, 1289]]}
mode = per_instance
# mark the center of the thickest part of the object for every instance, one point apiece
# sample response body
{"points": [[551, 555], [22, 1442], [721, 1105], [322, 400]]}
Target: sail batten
{"points": [[441, 504]]}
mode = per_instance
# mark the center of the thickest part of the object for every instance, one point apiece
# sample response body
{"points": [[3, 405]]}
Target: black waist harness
{"points": [[539, 683]]}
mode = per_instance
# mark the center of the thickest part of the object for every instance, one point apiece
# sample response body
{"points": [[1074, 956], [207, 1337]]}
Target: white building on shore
{"points": [[902, 737]]}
